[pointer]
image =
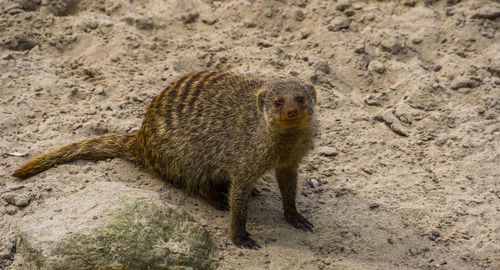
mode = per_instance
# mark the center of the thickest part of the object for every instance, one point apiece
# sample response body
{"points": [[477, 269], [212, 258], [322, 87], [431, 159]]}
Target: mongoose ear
{"points": [[312, 93], [261, 100]]}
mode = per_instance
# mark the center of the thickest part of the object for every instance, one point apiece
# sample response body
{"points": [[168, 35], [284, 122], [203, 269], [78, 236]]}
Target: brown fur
{"points": [[214, 133]]}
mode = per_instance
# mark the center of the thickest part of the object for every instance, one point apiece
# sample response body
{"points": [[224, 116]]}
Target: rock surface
{"points": [[112, 226]]}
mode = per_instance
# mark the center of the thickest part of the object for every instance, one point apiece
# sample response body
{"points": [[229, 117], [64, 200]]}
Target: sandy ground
{"points": [[407, 163]]}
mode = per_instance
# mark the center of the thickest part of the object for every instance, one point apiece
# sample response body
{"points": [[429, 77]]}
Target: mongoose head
{"points": [[287, 103]]}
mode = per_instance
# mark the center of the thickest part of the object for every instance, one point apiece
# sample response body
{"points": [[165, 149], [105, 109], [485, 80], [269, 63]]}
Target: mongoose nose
{"points": [[292, 112]]}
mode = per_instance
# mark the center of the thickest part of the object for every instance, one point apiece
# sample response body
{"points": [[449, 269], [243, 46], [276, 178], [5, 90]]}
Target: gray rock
{"points": [[487, 12], [391, 44], [343, 5], [11, 210], [209, 19], [20, 200], [112, 226], [339, 24], [327, 151], [299, 15], [465, 82], [376, 66], [305, 33], [322, 66], [190, 17]]}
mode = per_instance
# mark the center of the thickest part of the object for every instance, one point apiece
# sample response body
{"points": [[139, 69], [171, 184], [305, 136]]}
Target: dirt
{"points": [[406, 171]]}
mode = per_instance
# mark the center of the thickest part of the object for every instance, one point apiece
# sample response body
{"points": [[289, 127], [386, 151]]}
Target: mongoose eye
{"points": [[300, 99], [278, 103]]}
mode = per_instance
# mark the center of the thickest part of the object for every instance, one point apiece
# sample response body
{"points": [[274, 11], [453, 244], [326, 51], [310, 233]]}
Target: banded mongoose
{"points": [[214, 133]]}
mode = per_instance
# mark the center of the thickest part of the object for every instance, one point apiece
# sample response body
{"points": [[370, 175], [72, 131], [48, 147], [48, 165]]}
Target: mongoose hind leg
{"points": [[287, 181], [217, 196]]}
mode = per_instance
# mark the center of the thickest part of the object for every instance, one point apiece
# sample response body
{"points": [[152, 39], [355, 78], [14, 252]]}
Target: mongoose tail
{"points": [[97, 148]]}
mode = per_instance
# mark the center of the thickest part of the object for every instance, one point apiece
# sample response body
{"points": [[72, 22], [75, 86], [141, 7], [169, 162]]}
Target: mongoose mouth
{"points": [[291, 122]]}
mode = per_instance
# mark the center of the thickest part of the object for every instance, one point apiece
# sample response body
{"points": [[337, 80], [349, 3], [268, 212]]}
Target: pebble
{"points": [[417, 40], [299, 15], [190, 17], [339, 24], [73, 172], [360, 49], [374, 206], [314, 182], [322, 66], [305, 33], [14, 9], [11, 210], [93, 25], [391, 44], [343, 5], [487, 13], [434, 235], [19, 200], [327, 151], [376, 66], [465, 82], [144, 24], [349, 13], [409, 3], [209, 19]]}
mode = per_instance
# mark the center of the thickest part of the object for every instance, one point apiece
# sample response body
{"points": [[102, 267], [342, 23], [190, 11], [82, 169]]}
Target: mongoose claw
{"points": [[299, 221], [245, 242]]}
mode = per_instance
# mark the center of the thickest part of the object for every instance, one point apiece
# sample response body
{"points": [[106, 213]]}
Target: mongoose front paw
{"points": [[244, 241], [299, 221]]}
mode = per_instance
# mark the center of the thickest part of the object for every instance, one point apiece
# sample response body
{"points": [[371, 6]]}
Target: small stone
{"points": [[374, 206], [314, 183], [11, 210], [434, 235], [349, 13], [413, 252], [144, 24], [73, 172], [486, 13], [450, 12], [299, 15], [14, 9], [465, 82], [417, 40], [360, 49], [190, 17], [328, 151], [409, 3], [93, 25], [391, 44], [367, 171], [19, 200], [376, 66], [322, 66], [249, 24], [339, 24], [343, 5], [209, 19], [374, 100], [305, 33]]}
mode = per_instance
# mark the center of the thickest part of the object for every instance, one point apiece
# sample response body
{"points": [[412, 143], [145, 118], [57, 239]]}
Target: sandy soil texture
{"points": [[406, 170]]}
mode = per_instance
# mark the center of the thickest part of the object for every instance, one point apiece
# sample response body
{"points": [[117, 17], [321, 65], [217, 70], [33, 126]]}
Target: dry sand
{"points": [[408, 159]]}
